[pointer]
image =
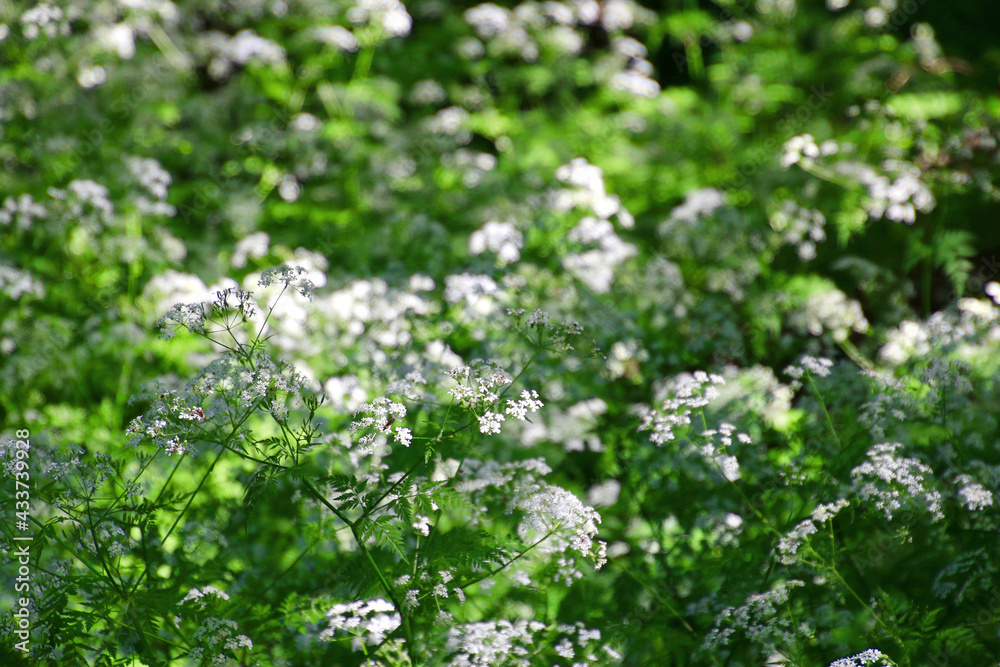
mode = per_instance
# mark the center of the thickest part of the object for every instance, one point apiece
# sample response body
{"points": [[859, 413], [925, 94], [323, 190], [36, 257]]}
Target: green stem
{"points": [[656, 596], [826, 414], [355, 531]]}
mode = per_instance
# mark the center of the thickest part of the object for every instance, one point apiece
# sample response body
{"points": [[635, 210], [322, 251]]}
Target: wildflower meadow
{"points": [[572, 333]]}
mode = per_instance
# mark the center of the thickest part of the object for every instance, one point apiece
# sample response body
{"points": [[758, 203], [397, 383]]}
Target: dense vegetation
{"points": [[552, 333]]}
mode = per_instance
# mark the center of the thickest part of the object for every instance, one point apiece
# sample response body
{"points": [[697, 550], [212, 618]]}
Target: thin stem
{"points": [[513, 560], [375, 505], [656, 596], [353, 525], [826, 414]]}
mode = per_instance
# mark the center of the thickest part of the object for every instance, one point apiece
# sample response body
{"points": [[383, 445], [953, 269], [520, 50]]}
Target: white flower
{"points": [[894, 482], [337, 36], [370, 621], [635, 83], [403, 436], [490, 422], [529, 403], [868, 658], [798, 149], [690, 393], [973, 495], [255, 245], [501, 238], [604, 494], [151, 176], [830, 311]]}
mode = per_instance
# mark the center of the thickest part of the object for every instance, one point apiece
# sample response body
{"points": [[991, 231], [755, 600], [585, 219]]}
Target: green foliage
{"points": [[593, 201]]}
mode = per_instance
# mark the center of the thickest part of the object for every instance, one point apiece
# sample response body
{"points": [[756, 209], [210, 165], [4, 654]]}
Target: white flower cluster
{"points": [[90, 77], [370, 621], [490, 421], [479, 475], [892, 402], [892, 482], [244, 47], [118, 37], [946, 375], [254, 245], [788, 546], [479, 383], [816, 367], [552, 516], [910, 339], [552, 509], [109, 538], [527, 403], [391, 16], [830, 311], [450, 122], [539, 323], [266, 384], [190, 316], [16, 283], [698, 203], [501, 238], [156, 181], [22, 211], [973, 495], [88, 192], [473, 289], [434, 583], [216, 639], [803, 149], [587, 192], [604, 494], [973, 329], [151, 175], [289, 276], [624, 357], [428, 91], [219, 638], [519, 31], [198, 594], [723, 530], [634, 72], [380, 415], [408, 385], [44, 18], [728, 464], [337, 36], [595, 267], [868, 658], [492, 643], [690, 393], [758, 618], [422, 524], [475, 166], [799, 226], [187, 294], [897, 199], [373, 313], [164, 423]]}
